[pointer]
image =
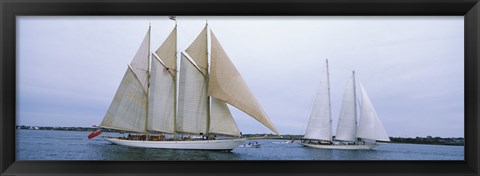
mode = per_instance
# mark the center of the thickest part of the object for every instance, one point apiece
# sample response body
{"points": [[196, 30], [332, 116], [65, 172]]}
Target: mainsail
{"points": [[320, 123], [192, 99], [161, 103], [347, 122]]}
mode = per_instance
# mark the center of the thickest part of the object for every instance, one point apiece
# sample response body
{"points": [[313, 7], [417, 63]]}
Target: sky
{"points": [[69, 68]]}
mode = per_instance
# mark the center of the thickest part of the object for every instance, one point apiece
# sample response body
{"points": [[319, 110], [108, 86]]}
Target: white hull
{"points": [[342, 146], [223, 144]]}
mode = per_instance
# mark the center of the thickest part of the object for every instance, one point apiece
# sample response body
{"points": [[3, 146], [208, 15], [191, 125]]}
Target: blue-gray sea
{"points": [[74, 145]]}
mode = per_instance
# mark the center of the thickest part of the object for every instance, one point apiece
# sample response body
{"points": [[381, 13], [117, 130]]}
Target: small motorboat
{"points": [[251, 145]]}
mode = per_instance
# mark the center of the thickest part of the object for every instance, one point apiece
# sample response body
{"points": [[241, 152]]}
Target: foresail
{"points": [[320, 123], [162, 99], [226, 84], [369, 126], [192, 99], [128, 109], [140, 61], [221, 120], [347, 123], [198, 51], [168, 52]]}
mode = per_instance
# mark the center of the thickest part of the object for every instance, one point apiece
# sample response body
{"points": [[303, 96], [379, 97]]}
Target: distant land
{"points": [[459, 141]]}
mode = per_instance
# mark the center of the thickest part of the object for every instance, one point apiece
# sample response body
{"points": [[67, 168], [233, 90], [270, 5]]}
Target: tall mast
{"points": [[175, 80], [355, 101], [148, 77], [175, 86], [329, 103], [175, 91], [208, 77]]}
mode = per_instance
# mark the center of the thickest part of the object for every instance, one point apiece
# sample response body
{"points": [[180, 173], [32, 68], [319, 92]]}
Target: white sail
{"points": [[167, 52], [192, 99], [162, 99], [320, 123], [226, 84], [369, 126], [198, 51], [161, 105], [146, 102], [128, 109], [140, 61], [347, 122], [221, 120]]}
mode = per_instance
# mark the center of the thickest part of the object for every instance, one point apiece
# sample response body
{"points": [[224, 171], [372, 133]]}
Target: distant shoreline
{"points": [[455, 141]]}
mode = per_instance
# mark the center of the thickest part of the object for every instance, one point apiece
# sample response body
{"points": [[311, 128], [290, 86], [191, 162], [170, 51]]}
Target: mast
{"points": [[208, 77], [329, 103], [148, 78], [175, 87], [347, 121], [354, 101], [175, 80]]}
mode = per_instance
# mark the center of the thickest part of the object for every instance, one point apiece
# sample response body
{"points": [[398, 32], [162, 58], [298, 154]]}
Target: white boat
{"points": [[251, 145], [196, 144], [146, 101], [366, 135]]}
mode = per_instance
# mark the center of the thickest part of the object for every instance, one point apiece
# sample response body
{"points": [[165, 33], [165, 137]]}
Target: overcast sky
{"points": [[69, 68]]}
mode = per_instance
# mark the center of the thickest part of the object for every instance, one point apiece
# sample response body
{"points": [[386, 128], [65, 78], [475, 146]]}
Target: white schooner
{"points": [[366, 135], [146, 103]]}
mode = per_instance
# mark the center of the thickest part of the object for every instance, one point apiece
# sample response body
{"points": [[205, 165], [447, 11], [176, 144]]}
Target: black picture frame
{"points": [[9, 9]]}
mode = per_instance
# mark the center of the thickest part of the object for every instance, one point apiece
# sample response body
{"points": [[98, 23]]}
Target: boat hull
{"points": [[342, 146], [222, 144]]}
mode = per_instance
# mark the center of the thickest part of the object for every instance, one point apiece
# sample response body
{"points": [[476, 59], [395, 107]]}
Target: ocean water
{"points": [[74, 145]]}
